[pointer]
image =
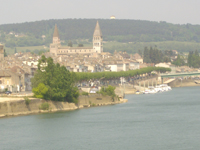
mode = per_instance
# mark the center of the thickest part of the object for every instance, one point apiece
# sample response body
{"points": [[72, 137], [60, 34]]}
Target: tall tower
{"points": [[56, 41], [97, 39]]}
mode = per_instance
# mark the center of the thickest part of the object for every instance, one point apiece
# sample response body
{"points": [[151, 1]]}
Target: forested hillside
{"points": [[30, 33]]}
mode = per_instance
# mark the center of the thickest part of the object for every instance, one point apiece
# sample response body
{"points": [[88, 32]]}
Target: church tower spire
{"points": [[56, 42], [97, 39], [56, 39]]}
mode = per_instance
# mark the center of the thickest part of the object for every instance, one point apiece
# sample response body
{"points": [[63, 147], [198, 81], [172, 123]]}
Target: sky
{"points": [[171, 11]]}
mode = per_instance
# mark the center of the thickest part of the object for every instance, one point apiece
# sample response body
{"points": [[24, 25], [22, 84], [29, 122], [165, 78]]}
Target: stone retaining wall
{"points": [[15, 106]]}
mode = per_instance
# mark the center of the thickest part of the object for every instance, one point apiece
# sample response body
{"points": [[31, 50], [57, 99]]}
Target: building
{"points": [[112, 17], [138, 58], [57, 49], [10, 81], [1, 52]]}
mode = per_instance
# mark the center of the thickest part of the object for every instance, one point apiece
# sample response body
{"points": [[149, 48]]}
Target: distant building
{"points": [[112, 17], [138, 58], [57, 49], [1, 52]]}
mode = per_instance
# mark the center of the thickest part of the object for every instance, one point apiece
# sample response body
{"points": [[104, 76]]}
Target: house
{"points": [[25, 78], [138, 58], [9, 80], [133, 65]]}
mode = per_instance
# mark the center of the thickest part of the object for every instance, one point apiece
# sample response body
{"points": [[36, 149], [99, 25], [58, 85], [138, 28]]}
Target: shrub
{"points": [[27, 100], [85, 93], [110, 91], [44, 106]]}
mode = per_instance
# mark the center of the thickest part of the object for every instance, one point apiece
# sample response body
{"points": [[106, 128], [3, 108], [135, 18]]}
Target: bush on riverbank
{"points": [[44, 106], [27, 100], [85, 93], [110, 91]]}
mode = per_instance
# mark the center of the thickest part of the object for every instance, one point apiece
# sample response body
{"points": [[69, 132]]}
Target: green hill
{"points": [[121, 31]]}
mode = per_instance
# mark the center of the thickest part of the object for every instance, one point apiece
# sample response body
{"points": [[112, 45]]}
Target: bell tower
{"points": [[97, 39], [56, 41], [56, 38]]}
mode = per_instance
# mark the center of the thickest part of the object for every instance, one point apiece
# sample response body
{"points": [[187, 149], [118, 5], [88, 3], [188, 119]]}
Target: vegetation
{"points": [[82, 76], [119, 30], [179, 61], [44, 106], [27, 100], [133, 47], [194, 59], [153, 55], [110, 91], [85, 93], [40, 91], [135, 33], [54, 82]]}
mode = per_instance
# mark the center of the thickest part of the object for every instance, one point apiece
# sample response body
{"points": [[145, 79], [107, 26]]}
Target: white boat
{"points": [[152, 90], [146, 92], [137, 92], [158, 89], [165, 87]]}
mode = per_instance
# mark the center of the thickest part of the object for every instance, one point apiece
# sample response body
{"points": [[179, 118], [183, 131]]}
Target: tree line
{"points": [[194, 59], [153, 55]]}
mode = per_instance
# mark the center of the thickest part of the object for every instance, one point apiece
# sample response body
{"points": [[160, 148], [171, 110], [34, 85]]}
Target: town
{"points": [[17, 70]]}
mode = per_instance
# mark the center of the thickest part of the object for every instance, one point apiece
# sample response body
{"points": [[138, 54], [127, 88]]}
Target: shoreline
{"points": [[17, 106], [133, 89], [7, 104]]}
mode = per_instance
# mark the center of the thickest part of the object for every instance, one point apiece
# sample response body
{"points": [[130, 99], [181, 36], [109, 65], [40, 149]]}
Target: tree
{"points": [[40, 91], [194, 59], [57, 79], [70, 44], [80, 45], [179, 61], [5, 54]]}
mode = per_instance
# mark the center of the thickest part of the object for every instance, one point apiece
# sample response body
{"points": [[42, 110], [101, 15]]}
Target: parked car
{"points": [[8, 92]]}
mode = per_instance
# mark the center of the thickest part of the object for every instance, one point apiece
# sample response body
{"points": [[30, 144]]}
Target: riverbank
{"points": [[183, 83], [18, 106]]}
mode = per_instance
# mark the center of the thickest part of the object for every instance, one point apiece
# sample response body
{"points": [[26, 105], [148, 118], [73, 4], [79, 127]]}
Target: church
{"points": [[57, 49]]}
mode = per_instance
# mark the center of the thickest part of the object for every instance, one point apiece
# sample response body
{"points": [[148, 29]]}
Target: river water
{"points": [[164, 121]]}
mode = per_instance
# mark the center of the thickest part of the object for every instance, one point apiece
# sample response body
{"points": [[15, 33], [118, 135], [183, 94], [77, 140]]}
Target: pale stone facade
{"points": [[57, 49]]}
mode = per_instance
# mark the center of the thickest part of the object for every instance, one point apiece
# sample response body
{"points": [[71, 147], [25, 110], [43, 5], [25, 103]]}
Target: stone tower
{"points": [[1, 52], [56, 41], [56, 38], [97, 39]]}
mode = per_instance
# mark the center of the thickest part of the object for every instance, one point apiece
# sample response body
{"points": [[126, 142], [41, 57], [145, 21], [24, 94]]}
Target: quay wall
{"points": [[18, 106], [183, 83]]}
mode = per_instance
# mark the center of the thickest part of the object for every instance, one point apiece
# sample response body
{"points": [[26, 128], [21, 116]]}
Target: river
{"points": [[164, 121]]}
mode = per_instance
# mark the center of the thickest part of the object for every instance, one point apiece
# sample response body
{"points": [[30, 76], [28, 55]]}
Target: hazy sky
{"points": [[173, 11]]}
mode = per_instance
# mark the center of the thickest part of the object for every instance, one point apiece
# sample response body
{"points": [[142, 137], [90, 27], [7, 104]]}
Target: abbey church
{"points": [[57, 49]]}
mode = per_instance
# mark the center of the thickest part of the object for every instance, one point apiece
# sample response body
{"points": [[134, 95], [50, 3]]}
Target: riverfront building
{"points": [[57, 49]]}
